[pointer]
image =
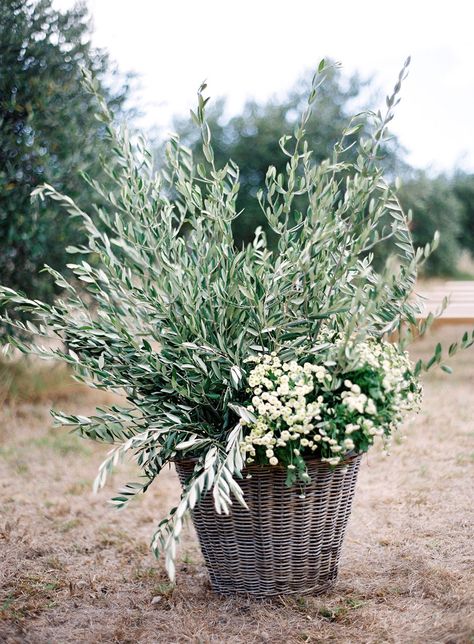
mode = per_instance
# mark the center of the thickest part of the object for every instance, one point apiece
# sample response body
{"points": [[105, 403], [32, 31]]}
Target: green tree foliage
{"points": [[48, 132], [463, 187], [251, 139], [435, 206]]}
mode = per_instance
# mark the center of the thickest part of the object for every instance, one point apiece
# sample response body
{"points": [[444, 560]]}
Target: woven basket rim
{"points": [[349, 457]]}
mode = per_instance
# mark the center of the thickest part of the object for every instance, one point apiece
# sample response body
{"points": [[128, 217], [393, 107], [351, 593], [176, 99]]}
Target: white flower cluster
{"points": [[305, 409], [357, 401], [393, 364], [280, 401]]}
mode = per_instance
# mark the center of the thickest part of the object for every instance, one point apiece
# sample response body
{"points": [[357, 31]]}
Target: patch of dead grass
{"points": [[31, 380], [73, 570]]}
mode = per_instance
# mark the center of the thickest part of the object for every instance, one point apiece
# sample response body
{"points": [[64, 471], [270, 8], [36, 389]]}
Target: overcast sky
{"points": [[256, 48]]}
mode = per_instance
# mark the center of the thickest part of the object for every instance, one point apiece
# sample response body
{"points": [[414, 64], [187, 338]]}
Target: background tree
{"points": [[48, 133], [435, 206], [463, 187]]}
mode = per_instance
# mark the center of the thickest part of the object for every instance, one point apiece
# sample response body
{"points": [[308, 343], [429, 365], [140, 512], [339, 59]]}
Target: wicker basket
{"points": [[285, 543]]}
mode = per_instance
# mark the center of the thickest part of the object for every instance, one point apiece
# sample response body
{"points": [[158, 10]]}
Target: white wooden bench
{"points": [[460, 307]]}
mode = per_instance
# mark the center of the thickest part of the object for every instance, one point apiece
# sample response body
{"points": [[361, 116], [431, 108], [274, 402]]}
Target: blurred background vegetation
{"points": [[48, 133]]}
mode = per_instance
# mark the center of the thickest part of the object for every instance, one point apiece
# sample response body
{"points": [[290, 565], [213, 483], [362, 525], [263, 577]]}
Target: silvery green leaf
{"points": [[243, 412], [236, 376]]}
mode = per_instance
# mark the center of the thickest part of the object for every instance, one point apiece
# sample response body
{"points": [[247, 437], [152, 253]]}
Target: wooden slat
{"points": [[461, 300]]}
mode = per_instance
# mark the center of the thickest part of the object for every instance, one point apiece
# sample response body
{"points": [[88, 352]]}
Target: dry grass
{"points": [[29, 380], [73, 571]]}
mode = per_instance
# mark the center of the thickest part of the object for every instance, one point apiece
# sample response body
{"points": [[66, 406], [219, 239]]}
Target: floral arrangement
{"points": [[309, 410], [233, 356]]}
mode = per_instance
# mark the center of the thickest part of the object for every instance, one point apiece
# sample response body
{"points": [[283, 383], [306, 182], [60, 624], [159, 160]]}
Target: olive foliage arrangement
{"points": [[171, 310]]}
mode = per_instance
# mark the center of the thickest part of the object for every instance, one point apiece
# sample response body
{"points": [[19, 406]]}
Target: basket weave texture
{"points": [[286, 542]]}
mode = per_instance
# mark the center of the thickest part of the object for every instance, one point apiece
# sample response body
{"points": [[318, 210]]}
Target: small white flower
{"points": [[349, 443], [334, 460]]}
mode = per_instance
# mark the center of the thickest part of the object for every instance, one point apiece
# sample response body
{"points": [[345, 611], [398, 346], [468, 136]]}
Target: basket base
{"points": [[317, 589]]}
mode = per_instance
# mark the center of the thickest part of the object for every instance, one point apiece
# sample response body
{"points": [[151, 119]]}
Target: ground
{"points": [[74, 570]]}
